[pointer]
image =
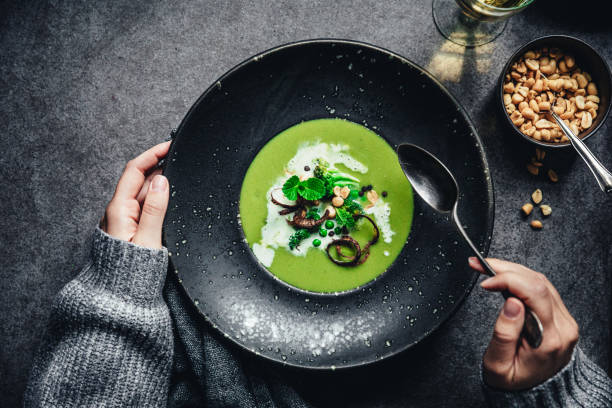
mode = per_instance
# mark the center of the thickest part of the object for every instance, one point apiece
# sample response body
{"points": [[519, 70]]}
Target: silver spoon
{"points": [[602, 175], [438, 188]]}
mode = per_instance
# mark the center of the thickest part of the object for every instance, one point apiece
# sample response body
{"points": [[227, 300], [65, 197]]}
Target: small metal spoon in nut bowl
{"points": [[602, 175]]}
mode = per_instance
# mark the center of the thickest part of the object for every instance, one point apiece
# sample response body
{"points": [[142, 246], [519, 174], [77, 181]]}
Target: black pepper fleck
{"points": [[331, 233], [384, 194], [306, 168], [361, 193]]}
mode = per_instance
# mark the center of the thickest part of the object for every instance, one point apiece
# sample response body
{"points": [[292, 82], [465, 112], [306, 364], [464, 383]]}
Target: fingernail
{"points": [[472, 260], [511, 309], [159, 183]]}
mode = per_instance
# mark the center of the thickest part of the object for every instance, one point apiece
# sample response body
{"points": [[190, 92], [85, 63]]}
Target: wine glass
{"points": [[474, 22]]}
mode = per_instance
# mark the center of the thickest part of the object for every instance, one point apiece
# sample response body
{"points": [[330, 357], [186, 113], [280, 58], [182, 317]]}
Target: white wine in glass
{"points": [[474, 22]]}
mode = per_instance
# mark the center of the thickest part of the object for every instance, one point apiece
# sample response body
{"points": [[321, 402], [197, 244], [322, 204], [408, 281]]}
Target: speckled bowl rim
{"points": [[488, 180], [522, 49]]}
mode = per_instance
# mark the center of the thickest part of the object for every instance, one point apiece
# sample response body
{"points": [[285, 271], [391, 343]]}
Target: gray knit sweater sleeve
{"points": [[109, 340], [581, 383]]}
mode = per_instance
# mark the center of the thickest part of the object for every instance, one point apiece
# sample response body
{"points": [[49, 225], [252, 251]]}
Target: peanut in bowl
{"points": [[555, 73]]}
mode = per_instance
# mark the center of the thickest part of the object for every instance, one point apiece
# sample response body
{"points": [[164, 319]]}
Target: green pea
{"points": [[338, 230], [323, 232], [316, 242], [329, 224]]}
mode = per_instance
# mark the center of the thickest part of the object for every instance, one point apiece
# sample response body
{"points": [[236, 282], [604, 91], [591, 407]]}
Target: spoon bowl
{"points": [[430, 178]]}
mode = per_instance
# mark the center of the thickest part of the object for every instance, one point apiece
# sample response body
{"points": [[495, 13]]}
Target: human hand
{"points": [[509, 362], [136, 211]]}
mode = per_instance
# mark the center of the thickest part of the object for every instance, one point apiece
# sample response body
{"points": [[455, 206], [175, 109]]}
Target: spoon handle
{"points": [[532, 328], [602, 175]]}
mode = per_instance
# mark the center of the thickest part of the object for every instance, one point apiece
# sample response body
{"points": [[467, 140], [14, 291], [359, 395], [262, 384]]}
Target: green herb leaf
{"points": [[313, 213], [311, 189], [297, 237], [290, 188], [352, 207], [344, 218]]}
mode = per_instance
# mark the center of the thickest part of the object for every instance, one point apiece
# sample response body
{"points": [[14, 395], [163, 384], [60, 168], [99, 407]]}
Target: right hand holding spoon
{"points": [[509, 362]]}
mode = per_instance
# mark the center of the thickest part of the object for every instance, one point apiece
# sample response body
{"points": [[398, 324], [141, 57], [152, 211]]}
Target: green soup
{"points": [[359, 152]]}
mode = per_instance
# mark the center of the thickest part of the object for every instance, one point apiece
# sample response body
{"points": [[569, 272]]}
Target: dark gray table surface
{"points": [[85, 86]]}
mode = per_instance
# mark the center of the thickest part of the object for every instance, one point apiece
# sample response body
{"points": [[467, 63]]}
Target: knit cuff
{"points": [[126, 269], [580, 381]]}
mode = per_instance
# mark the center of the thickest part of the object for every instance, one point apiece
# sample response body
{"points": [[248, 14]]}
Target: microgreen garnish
{"points": [[352, 206], [297, 237], [313, 213], [344, 218]]}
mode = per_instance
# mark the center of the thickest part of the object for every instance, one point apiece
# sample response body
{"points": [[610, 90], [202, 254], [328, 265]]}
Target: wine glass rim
{"points": [[518, 7]]}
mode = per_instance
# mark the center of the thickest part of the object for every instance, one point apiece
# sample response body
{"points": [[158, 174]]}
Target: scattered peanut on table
{"points": [[536, 224], [567, 90], [536, 196]]}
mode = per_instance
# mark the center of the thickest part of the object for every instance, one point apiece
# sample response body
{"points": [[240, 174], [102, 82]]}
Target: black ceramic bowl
{"points": [[587, 59], [221, 135]]}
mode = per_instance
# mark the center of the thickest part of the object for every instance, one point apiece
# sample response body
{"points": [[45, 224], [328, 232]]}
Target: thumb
{"points": [[499, 359], [152, 216]]}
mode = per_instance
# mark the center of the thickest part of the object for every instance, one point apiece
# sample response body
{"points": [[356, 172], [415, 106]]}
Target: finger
{"points": [[145, 186], [503, 267], [152, 217], [533, 292], [499, 266], [133, 177], [499, 358]]}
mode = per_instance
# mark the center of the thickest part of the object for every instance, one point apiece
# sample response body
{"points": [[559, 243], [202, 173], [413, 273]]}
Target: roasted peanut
{"points": [[544, 106], [593, 98], [591, 88], [543, 124], [536, 224], [372, 196], [337, 201], [517, 98], [586, 121], [517, 118], [536, 196], [509, 87], [344, 192], [569, 61], [533, 169], [527, 208], [552, 175], [331, 211], [532, 64], [528, 113], [546, 210], [580, 102], [559, 106]]}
